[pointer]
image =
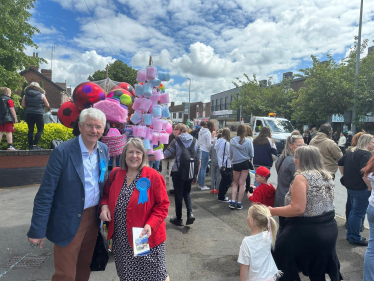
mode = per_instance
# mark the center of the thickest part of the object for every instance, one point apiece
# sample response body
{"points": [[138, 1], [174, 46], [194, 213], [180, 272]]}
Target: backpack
{"points": [[188, 161]]}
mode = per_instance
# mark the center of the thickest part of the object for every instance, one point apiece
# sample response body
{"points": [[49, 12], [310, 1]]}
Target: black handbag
{"points": [[224, 170], [251, 167], [100, 256]]}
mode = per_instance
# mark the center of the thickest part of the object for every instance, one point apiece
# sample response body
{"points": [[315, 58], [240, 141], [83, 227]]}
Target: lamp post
{"points": [[189, 99], [358, 50]]}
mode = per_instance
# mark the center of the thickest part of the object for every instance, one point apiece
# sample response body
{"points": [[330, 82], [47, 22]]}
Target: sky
{"points": [[210, 42]]}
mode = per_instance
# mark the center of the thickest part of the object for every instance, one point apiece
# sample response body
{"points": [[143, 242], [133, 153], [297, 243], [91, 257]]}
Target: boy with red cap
{"points": [[265, 192]]}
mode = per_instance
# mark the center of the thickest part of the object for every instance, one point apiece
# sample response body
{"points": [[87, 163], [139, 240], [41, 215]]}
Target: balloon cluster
{"points": [[151, 112], [116, 103]]}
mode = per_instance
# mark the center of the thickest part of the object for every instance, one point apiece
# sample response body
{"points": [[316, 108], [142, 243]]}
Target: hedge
{"points": [[51, 132]]}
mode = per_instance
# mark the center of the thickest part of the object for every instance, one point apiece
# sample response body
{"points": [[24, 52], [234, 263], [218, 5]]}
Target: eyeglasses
{"points": [[91, 127]]}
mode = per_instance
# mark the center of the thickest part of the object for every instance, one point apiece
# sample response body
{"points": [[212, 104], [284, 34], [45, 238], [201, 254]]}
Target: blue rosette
{"points": [[103, 166], [143, 184]]}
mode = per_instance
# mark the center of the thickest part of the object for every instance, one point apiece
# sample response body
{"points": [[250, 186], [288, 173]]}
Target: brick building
{"points": [[199, 111], [56, 92]]}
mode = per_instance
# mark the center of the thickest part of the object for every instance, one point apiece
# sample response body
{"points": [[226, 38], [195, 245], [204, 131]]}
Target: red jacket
{"points": [[152, 212], [263, 194]]}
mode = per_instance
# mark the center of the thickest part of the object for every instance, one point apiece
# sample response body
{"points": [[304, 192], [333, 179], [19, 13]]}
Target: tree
{"points": [[117, 71], [249, 97], [16, 33], [258, 100], [363, 94], [328, 91]]}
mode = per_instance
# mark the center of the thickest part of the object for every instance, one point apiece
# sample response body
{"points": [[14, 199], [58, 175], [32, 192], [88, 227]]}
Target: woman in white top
{"points": [[256, 261], [205, 143], [222, 148], [342, 141]]}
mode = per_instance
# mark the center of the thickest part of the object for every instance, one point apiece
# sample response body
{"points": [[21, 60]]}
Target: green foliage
{"points": [[261, 101], [328, 91], [41, 84], [117, 71], [15, 34], [51, 132]]}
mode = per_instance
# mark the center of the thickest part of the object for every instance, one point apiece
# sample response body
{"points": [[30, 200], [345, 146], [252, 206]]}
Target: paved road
{"points": [[205, 251]]}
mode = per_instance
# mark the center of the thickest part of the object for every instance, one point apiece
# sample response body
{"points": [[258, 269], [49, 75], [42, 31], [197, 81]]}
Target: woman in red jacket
{"points": [[135, 196]]}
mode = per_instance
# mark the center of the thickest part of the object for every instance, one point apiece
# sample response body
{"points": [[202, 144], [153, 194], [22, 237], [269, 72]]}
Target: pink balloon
{"points": [[169, 129]]}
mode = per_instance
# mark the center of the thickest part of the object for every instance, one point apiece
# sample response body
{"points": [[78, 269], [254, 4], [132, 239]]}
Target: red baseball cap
{"points": [[263, 171]]}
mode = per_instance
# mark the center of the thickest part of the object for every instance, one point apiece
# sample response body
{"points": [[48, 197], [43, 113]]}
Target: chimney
{"points": [[370, 50], [263, 83], [33, 54], [37, 55], [287, 75], [172, 104], [47, 73]]}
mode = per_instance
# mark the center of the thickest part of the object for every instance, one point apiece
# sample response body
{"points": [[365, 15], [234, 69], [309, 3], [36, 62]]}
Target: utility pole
{"points": [[189, 99], [52, 51], [358, 50]]}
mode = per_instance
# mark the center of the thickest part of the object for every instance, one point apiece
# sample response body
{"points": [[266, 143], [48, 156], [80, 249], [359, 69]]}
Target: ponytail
{"points": [[262, 216], [273, 229]]}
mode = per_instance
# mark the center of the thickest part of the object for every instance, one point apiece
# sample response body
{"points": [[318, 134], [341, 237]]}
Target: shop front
{"points": [[224, 116], [339, 124]]}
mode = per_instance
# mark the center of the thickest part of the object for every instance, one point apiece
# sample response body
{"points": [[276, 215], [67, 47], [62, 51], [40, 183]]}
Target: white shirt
{"points": [[205, 139], [91, 175], [342, 141], [255, 252]]}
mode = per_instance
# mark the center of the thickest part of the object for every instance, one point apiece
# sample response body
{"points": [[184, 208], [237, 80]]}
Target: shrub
{"points": [[51, 132]]}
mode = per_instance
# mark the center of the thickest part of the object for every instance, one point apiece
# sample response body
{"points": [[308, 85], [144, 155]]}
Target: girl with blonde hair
{"points": [[256, 261]]}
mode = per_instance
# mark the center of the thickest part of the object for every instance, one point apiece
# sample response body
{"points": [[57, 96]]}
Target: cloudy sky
{"points": [[211, 42]]}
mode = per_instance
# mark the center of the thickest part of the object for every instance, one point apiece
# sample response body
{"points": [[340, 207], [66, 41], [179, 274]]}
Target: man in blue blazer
{"points": [[65, 207]]}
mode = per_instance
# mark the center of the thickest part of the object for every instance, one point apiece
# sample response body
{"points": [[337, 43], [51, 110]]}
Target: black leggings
{"points": [[31, 120], [182, 190]]}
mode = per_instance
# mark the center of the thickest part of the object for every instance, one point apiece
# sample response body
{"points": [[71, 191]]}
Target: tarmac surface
{"points": [[207, 250]]}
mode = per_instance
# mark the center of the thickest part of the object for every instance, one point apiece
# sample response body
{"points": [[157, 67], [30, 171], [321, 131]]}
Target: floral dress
{"points": [[146, 268]]}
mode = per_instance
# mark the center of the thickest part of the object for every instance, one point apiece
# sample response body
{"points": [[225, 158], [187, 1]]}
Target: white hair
{"points": [[93, 113]]}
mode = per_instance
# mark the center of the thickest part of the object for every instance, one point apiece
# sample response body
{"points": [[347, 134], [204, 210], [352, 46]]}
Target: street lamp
{"points": [[358, 50], [189, 99]]}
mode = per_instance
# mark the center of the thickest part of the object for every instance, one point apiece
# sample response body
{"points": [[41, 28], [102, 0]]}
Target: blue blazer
{"points": [[59, 203]]}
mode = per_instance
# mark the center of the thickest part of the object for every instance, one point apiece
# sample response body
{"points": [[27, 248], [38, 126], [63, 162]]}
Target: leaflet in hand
{"points": [[141, 245]]}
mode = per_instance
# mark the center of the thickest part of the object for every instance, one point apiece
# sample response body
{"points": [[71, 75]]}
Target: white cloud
{"points": [[214, 41], [70, 65]]}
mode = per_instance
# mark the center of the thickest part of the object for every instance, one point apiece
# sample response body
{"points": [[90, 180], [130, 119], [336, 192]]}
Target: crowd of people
{"points": [[135, 195]]}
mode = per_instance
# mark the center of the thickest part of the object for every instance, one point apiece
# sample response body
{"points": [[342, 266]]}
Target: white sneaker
{"points": [[204, 188]]}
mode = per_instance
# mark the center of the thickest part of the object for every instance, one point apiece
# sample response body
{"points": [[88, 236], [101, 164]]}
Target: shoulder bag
{"points": [[224, 170]]}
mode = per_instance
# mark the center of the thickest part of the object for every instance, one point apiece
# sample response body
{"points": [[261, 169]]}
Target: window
{"points": [[179, 115], [221, 103], [174, 115], [226, 98]]}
